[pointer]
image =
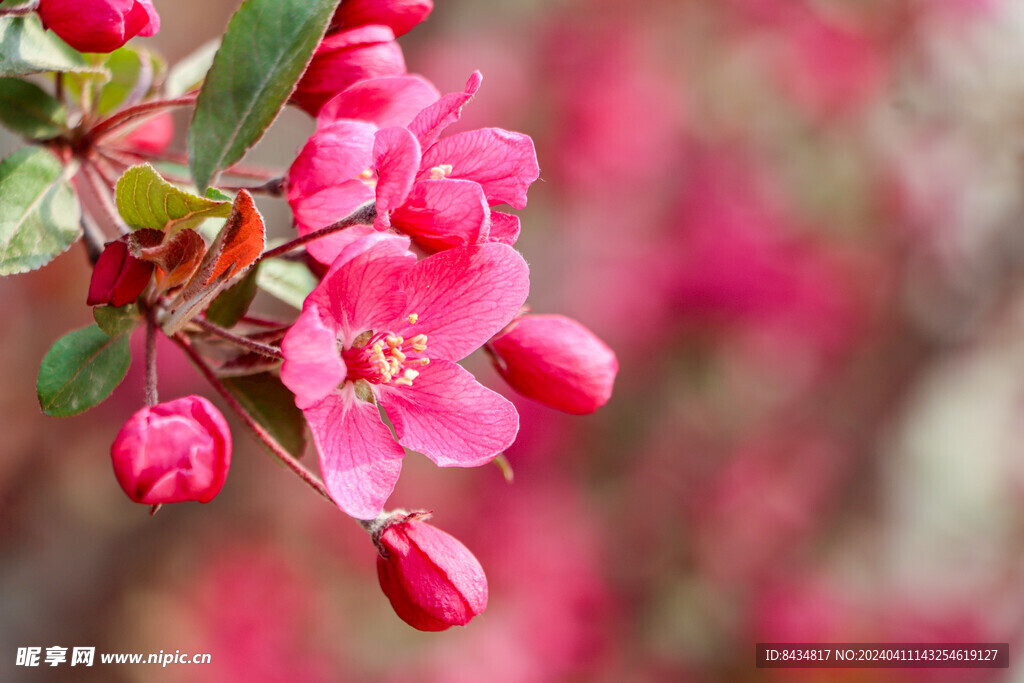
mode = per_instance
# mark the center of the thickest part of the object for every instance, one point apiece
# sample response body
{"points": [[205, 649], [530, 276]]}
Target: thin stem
{"points": [[272, 188], [363, 215], [20, 10], [92, 237], [238, 340], [277, 449], [102, 193], [151, 394], [112, 123], [238, 170]]}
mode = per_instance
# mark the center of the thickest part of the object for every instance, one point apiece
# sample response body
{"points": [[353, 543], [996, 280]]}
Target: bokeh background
{"points": [[799, 223]]}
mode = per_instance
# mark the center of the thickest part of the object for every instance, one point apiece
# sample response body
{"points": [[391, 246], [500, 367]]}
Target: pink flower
{"points": [[398, 15], [99, 25], [118, 277], [173, 452], [344, 58], [433, 581], [557, 361], [439, 192], [385, 329]]}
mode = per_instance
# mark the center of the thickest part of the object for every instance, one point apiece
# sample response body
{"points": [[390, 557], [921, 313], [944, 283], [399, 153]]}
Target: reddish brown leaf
{"points": [[238, 244], [177, 258]]}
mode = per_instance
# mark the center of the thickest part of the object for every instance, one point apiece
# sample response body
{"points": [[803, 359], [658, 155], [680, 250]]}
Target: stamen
{"points": [[413, 317], [440, 171], [367, 174], [419, 343]]}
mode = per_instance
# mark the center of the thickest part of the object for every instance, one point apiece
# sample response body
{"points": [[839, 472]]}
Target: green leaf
{"points": [[188, 74], [217, 195], [27, 48], [146, 200], [264, 52], [80, 370], [289, 281], [273, 406], [30, 111], [116, 321], [231, 304], [38, 211]]}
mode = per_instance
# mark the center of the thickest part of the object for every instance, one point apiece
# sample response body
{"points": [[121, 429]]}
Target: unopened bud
{"points": [[173, 452], [557, 361], [118, 277], [431, 579]]}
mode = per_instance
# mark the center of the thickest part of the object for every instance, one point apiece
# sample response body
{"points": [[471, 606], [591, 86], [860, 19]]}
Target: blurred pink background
{"points": [[797, 222]]}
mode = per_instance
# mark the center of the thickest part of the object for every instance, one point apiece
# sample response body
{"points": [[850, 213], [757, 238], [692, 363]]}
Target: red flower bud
{"points": [[432, 580], [99, 25], [557, 361], [398, 15], [173, 452], [118, 277], [344, 58]]}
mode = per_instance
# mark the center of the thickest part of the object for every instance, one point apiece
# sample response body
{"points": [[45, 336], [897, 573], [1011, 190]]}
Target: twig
{"points": [[277, 449], [363, 215], [238, 340]]}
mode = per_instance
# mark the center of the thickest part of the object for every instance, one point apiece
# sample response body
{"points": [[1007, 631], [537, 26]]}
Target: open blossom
{"points": [[437, 191], [432, 580], [99, 25], [344, 58], [385, 329], [557, 361], [173, 452]]}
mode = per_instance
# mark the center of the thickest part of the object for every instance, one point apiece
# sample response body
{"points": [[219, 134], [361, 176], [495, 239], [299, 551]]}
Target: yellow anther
{"points": [[419, 342], [413, 317], [397, 353], [424, 361], [394, 341], [403, 382], [366, 174], [410, 374], [440, 171]]}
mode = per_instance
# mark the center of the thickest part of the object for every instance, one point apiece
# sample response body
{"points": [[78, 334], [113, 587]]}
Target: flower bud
{"points": [[398, 15], [152, 136], [99, 25], [432, 580], [557, 361], [344, 58], [118, 277], [173, 452]]}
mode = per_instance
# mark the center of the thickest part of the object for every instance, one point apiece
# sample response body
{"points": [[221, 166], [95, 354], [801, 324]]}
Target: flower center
{"points": [[386, 358], [440, 172]]}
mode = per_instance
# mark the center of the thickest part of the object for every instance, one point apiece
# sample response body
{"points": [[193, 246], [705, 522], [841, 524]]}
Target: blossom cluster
{"points": [[413, 263]]}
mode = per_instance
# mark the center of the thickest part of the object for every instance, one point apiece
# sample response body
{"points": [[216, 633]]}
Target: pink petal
{"points": [[319, 210], [335, 153], [363, 293], [392, 101], [504, 163], [396, 155], [441, 214], [345, 58], [449, 417], [504, 228], [359, 459], [400, 15], [312, 366], [432, 121], [142, 20], [463, 296]]}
